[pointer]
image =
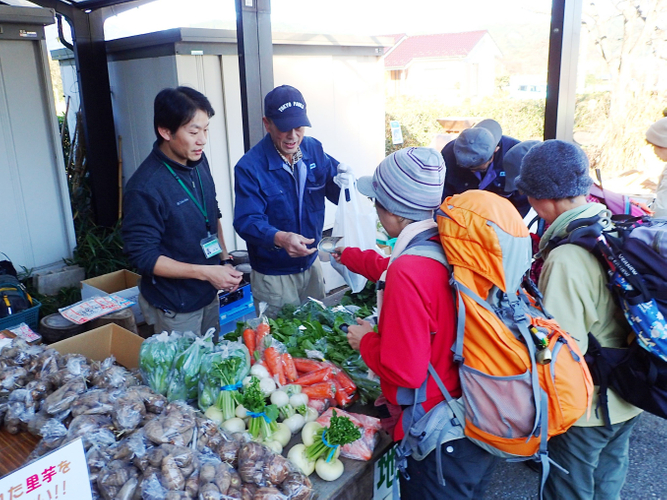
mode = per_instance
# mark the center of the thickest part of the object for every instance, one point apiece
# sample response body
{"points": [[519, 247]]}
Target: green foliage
{"points": [[520, 118], [99, 249]]}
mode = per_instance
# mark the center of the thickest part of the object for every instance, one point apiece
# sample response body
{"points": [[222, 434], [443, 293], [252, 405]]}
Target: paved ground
{"points": [[646, 480]]}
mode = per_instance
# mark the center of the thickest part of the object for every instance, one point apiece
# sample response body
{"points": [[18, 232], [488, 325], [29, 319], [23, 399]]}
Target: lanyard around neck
{"points": [[201, 208]]}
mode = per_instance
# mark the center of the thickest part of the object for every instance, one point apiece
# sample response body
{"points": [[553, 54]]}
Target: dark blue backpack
{"points": [[638, 280]]}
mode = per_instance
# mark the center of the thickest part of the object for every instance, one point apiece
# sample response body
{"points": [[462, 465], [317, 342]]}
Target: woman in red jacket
{"points": [[417, 320]]}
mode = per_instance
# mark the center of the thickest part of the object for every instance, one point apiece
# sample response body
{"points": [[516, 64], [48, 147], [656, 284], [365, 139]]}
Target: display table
{"points": [[356, 483]]}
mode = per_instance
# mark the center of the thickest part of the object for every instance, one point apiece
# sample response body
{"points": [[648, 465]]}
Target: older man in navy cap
{"points": [[280, 187], [474, 160]]}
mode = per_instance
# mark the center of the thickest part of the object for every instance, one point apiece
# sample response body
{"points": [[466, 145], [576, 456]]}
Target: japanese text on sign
{"points": [[385, 475], [60, 475]]}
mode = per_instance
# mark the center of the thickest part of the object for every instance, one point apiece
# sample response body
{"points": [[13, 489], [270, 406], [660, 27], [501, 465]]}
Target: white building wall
{"points": [[36, 228]]}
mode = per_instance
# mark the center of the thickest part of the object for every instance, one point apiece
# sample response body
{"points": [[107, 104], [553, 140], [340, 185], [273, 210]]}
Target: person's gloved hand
{"points": [[345, 176]]}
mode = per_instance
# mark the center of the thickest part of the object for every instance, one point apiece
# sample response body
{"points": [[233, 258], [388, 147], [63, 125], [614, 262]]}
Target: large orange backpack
{"points": [[514, 399]]}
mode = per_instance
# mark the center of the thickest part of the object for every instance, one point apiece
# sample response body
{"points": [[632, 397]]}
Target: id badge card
{"points": [[211, 246]]}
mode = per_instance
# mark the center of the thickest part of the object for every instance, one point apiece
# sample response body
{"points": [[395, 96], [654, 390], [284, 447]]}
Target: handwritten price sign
{"points": [[60, 475]]}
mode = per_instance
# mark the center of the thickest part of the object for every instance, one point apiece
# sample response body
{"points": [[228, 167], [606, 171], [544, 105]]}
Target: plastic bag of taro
{"points": [[63, 398], [96, 402], [107, 373], [271, 476], [174, 426], [70, 366]]}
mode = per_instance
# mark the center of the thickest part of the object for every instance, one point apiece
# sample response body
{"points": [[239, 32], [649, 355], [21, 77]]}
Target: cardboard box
{"points": [[102, 342], [123, 283]]}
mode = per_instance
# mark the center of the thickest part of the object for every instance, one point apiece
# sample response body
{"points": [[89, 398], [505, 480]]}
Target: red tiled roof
{"points": [[441, 45], [396, 38]]}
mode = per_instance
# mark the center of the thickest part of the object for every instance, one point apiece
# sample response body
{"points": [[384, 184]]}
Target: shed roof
{"points": [[424, 46]]}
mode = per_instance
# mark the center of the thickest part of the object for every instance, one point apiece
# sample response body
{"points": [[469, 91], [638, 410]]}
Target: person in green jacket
{"points": [[554, 176]]}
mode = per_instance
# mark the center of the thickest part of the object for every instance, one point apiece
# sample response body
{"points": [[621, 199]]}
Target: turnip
{"points": [[259, 371], [297, 455], [292, 389], [241, 412], [234, 425], [310, 414], [282, 435], [267, 386], [214, 413], [279, 398], [273, 445], [297, 400], [329, 471], [309, 432], [295, 423]]}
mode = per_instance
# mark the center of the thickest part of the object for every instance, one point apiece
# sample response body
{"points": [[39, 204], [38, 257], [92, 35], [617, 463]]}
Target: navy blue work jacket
{"points": [[267, 202]]}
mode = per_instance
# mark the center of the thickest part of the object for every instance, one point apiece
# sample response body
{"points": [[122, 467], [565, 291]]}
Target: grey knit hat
{"points": [[657, 133], [512, 163], [554, 170], [408, 183]]}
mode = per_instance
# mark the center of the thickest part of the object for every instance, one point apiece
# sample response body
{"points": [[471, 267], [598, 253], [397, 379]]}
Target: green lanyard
{"points": [[185, 188]]}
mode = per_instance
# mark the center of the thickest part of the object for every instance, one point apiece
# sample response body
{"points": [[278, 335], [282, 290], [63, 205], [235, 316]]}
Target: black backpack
{"points": [[14, 298], [638, 280]]}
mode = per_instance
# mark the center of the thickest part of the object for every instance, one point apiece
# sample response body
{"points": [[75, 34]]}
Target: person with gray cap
{"points": [[656, 136], [280, 187], [474, 160], [417, 320], [554, 175]]}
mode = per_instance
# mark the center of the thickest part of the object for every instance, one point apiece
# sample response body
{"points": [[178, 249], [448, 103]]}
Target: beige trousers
{"points": [[279, 290], [198, 322]]}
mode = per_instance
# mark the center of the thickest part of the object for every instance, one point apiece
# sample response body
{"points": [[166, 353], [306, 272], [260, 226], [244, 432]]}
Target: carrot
{"points": [[259, 337], [288, 367], [275, 365], [311, 378], [249, 340], [346, 382], [342, 397], [305, 365], [322, 390]]}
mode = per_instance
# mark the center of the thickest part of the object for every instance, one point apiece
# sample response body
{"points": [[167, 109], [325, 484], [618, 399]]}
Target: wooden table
{"points": [[14, 450]]}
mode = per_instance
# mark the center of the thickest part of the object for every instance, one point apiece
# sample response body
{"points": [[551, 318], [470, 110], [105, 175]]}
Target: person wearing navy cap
{"points": [[474, 160], [280, 188]]}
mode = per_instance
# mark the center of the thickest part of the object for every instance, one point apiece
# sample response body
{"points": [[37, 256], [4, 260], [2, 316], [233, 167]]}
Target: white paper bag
{"points": [[356, 223]]}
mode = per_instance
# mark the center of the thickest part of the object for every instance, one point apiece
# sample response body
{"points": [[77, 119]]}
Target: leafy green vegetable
{"points": [[220, 372], [311, 327], [156, 358], [366, 299], [262, 425], [184, 376], [341, 431]]}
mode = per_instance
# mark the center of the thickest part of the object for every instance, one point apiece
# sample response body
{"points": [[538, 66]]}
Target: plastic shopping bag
{"points": [[356, 223]]}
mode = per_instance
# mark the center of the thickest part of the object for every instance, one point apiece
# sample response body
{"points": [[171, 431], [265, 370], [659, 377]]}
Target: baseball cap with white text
{"points": [[286, 107]]}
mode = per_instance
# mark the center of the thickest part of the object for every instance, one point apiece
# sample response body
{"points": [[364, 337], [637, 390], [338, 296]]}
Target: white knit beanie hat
{"points": [[657, 133]]}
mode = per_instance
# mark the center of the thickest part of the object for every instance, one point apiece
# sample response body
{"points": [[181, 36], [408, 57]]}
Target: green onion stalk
{"points": [[341, 431], [263, 417]]}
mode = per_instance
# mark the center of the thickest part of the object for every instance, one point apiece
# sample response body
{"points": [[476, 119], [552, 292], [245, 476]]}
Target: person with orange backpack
{"points": [[411, 351], [554, 175]]}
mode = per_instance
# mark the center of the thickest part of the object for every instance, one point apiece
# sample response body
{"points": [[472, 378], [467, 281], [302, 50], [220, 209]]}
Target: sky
{"points": [[359, 17]]}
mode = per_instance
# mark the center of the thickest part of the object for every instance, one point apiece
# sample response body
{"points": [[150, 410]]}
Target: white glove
{"points": [[344, 168], [345, 177]]}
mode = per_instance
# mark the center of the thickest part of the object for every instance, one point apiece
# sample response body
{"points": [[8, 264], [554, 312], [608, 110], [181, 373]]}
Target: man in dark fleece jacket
{"points": [[171, 228], [474, 160]]}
